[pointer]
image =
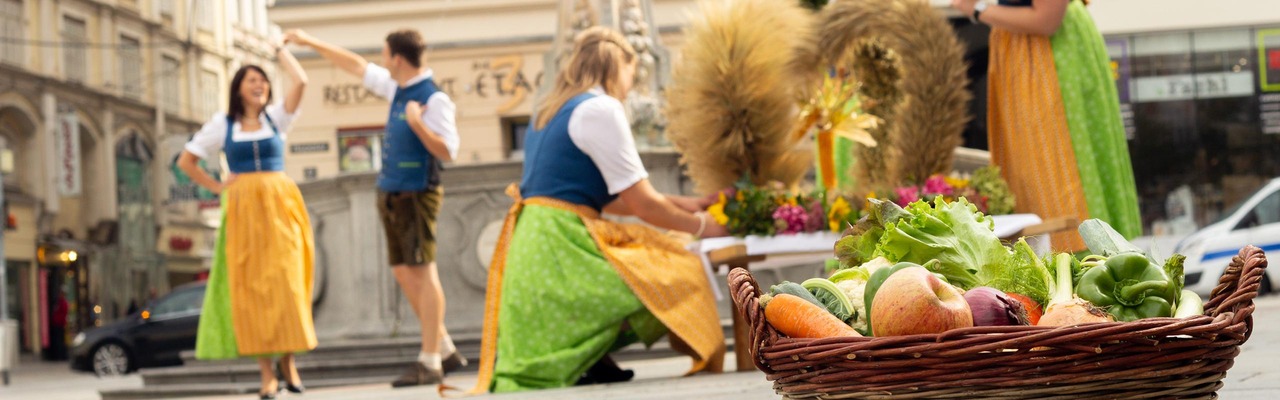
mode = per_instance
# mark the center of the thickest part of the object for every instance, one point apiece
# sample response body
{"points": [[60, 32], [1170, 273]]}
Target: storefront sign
{"points": [[184, 241], [504, 77], [348, 94], [1194, 86], [317, 147], [501, 77], [1269, 59], [67, 143]]}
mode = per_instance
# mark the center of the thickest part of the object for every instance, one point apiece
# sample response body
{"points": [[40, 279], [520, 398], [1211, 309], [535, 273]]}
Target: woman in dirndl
{"points": [[567, 287], [258, 299], [1054, 116]]}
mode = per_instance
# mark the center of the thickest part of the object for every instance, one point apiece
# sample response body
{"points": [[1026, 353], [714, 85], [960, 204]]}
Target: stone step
{"points": [[346, 348], [224, 389], [231, 373], [337, 363]]}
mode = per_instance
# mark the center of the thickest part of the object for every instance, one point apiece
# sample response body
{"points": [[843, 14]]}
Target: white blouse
{"points": [[599, 128], [208, 142]]}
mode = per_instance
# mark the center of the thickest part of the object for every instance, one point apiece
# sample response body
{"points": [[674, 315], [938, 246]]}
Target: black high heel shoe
{"points": [[270, 395], [284, 378]]}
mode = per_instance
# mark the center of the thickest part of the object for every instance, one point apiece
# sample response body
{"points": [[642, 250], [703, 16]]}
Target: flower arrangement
{"points": [[984, 188], [770, 210]]}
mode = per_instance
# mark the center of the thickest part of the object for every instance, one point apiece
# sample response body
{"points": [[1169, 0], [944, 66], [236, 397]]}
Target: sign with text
{"points": [[1193, 86], [317, 147], [67, 143], [502, 77]]}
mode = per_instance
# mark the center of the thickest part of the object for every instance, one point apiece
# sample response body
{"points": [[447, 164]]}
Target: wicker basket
{"points": [[1155, 358]]}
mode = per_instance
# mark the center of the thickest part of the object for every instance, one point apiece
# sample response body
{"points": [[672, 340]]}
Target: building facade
{"points": [[96, 98], [490, 56], [1200, 91]]}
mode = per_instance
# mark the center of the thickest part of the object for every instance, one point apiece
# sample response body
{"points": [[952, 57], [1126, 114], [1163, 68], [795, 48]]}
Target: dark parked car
{"points": [[152, 337]]}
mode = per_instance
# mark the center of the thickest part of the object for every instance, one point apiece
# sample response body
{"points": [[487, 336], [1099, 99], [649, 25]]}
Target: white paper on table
{"points": [[764, 245], [1009, 225]]}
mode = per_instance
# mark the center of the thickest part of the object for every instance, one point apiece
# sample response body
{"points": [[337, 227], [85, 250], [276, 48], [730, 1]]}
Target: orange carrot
{"points": [[1034, 309], [798, 318]]}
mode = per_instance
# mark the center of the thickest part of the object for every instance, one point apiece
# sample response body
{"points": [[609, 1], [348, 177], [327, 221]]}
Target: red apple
{"points": [[913, 301]]}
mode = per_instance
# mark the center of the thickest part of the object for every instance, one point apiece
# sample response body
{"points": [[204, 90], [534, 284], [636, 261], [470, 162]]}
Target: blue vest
{"points": [[407, 166], [257, 155], [555, 167]]}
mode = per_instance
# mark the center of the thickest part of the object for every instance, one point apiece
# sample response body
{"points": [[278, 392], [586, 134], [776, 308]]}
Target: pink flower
{"points": [[937, 185], [790, 219], [816, 217], [907, 195]]}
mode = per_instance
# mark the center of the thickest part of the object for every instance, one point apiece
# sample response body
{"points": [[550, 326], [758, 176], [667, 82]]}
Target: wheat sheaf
{"points": [[732, 102]]}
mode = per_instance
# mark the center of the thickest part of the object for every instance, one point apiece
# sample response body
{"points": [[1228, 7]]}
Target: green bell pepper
{"points": [[1130, 287]]}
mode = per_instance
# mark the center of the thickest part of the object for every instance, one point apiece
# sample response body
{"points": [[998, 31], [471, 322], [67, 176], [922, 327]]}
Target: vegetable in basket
{"points": [[955, 234], [1130, 287], [858, 246], [1065, 308], [992, 307], [1033, 308], [1189, 305], [853, 283], [795, 289], [1120, 278], [798, 318], [831, 298]]}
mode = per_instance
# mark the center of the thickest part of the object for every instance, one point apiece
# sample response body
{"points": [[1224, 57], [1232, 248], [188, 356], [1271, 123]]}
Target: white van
{"points": [[1256, 221]]}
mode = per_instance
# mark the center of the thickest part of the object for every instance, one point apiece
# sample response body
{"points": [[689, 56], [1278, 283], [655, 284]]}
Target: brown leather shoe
{"points": [[453, 363], [418, 374]]}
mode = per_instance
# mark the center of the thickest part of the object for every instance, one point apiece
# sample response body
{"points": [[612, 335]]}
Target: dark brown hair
{"points": [[407, 43], [236, 109]]}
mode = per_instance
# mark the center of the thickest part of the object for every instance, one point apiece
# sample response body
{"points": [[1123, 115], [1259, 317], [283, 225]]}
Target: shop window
{"points": [[1199, 119], [360, 150], [513, 134]]}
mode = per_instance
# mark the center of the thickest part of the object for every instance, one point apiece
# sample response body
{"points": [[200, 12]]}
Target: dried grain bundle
{"points": [[913, 66], [733, 98]]}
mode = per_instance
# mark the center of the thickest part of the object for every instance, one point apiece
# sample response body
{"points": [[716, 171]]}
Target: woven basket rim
{"points": [[1095, 356]]}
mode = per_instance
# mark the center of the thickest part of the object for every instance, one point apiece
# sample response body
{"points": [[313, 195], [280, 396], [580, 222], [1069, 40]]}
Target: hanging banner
{"points": [[67, 152]]}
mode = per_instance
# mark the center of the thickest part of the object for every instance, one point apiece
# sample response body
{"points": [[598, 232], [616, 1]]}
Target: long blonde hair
{"points": [[599, 54]]}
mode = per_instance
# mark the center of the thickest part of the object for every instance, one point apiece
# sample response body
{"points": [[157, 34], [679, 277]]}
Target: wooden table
{"points": [[736, 256]]}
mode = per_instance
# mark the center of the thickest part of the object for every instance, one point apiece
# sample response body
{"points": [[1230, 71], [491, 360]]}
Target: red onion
{"points": [[992, 307]]}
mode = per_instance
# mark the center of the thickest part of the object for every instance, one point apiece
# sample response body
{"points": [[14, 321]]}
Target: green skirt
{"points": [[563, 305]]}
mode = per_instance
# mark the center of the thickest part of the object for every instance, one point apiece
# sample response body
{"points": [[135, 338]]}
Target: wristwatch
{"points": [[978, 8]]}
